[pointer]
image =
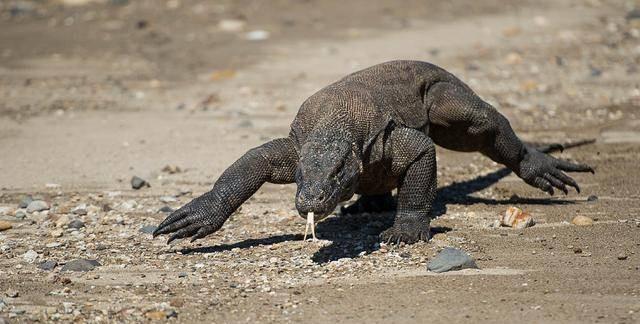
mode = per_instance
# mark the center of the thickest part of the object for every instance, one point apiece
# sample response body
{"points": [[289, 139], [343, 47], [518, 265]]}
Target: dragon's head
{"points": [[327, 173]]}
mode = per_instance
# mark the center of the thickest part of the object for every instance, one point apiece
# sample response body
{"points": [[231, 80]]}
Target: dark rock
{"points": [[592, 198], [76, 223], [166, 209], [451, 259], [137, 183], [182, 275], [25, 201], [148, 229], [633, 14], [81, 265], [48, 265]]}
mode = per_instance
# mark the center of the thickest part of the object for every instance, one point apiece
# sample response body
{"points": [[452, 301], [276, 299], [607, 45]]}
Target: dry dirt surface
{"points": [[95, 92]]}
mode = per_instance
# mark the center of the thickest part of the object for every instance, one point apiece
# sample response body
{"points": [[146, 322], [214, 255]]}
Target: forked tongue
{"points": [[310, 223]]}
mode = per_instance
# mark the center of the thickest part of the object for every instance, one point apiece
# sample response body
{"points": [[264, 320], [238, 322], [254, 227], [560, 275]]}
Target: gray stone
{"points": [[137, 183], [168, 199], [76, 223], [48, 265], [20, 214], [166, 209], [451, 259], [81, 265], [12, 293], [25, 201], [148, 229], [633, 14], [80, 209], [37, 205]]}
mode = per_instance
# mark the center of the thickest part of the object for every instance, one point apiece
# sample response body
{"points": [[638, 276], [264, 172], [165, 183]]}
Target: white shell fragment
{"points": [[310, 223], [516, 218]]}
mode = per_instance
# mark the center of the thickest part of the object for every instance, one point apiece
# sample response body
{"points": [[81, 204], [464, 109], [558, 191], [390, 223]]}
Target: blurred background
{"points": [[92, 90]]}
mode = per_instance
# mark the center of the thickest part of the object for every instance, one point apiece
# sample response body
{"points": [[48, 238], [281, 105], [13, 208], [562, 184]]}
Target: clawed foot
{"points": [[196, 220], [405, 233], [311, 223]]}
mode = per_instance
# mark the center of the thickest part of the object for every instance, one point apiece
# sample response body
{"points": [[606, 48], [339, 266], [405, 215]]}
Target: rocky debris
{"points": [[451, 259], [76, 223], [138, 183], [81, 265], [12, 294], [168, 199], [257, 35], [231, 25], [56, 233], [582, 221], [20, 214], [5, 226], [6, 211], [25, 201], [80, 210], [516, 218], [622, 256], [171, 169], [633, 14], [592, 198], [37, 205], [148, 229], [47, 265], [166, 209], [30, 256]]}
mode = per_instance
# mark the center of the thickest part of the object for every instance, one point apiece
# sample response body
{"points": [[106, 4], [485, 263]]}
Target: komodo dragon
{"points": [[369, 133]]}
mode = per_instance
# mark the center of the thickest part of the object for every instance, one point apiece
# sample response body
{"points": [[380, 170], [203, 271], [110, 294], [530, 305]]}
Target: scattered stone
{"points": [[37, 205], [171, 169], [76, 223], [6, 211], [47, 265], [62, 221], [20, 214], [633, 14], [622, 256], [231, 25], [30, 256], [12, 293], [577, 250], [81, 265], [257, 35], [138, 183], [156, 315], [182, 275], [166, 209], [450, 259], [168, 199], [582, 221], [516, 218], [56, 233], [148, 229], [5, 226], [592, 198], [80, 210]]}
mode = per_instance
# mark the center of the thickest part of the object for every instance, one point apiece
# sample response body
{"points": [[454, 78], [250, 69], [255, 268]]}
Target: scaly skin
{"points": [[370, 133]]}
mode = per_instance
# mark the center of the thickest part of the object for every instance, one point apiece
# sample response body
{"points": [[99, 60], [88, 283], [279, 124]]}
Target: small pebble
{"points": [[622, 256], [138, 183], [76, 223], [148, 229], [5, 226], [592, 198], [582, 221], [12, 293], [168, 199], [37, 205], [166, 209], [80, 209], [81, 265], [451, 259], [25, 201], [47, 265], [20, 214]]}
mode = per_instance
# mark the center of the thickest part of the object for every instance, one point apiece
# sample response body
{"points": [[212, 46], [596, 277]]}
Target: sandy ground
{"points": [[95, 93]]}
